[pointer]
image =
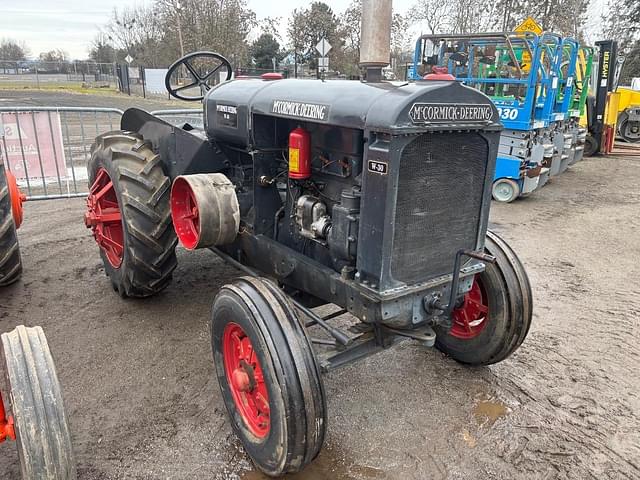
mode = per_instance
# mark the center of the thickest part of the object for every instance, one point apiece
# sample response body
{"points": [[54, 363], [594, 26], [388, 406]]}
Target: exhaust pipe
{"points": [[375, 38]]}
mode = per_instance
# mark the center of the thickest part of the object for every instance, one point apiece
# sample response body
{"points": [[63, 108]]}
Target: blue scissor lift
{"points": [[517, 71]]}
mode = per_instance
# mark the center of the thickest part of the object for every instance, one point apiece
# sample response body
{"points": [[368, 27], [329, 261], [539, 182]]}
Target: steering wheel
{"points": [[193, 75]]}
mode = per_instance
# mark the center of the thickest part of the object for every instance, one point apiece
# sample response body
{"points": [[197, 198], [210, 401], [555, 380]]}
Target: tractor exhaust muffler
{"points": [[375, 38]]}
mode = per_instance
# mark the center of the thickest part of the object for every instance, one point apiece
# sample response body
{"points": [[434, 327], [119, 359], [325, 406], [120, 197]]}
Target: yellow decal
{"points": [[294, 159]]}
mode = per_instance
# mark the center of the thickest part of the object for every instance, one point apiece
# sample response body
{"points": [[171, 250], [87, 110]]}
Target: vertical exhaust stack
{"points": [[375, 38]]}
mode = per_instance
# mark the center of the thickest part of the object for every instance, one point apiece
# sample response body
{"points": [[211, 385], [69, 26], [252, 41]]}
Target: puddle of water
{"points": [[488, 410], [328, 466]]}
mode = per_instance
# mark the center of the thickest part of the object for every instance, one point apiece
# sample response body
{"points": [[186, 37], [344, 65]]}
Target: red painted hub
{"points": [[104, 218], [185, 214], [245, 379], [7, 429], [470, 318], [17, 198]]}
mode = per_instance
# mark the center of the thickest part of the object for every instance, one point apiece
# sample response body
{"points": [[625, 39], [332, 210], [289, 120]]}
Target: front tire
{"points": [[495, 316], [128, 212], [268, 376], [505, 190], [40, 422], [10, 260]]}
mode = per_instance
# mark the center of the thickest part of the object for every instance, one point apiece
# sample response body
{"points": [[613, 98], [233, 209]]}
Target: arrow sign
{"points": [[323, 47]]}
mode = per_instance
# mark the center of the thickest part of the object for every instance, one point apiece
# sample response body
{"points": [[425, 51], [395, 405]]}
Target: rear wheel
{"points": [[128, 212], [268, 376], [10, 261], [505, 190], [630, 131], [40, 424], [494, 317]]}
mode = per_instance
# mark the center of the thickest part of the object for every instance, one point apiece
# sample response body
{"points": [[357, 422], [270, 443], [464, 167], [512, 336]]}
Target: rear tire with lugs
{"points": [[128, 210], [10, 261]]}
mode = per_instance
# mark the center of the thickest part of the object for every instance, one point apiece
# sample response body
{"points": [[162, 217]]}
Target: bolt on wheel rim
{"points": [[246, 380], [470, 318], [503, 191], [104, 217]]}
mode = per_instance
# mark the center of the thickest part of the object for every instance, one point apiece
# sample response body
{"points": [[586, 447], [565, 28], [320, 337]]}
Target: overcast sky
{"points": [[72, 24]]}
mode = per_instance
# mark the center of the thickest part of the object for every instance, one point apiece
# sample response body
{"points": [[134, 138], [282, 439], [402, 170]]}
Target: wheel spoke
{"points": [[192, 71], [210, 74], [184, 87], [103, 190], [482, 308]]}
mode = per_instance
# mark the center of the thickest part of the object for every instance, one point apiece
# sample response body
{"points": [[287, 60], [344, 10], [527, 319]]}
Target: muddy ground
{"points": [[144, 404]]}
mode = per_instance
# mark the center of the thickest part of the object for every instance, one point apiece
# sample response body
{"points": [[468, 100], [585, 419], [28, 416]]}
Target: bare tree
{"points": [[12, 50], [434, 14]]}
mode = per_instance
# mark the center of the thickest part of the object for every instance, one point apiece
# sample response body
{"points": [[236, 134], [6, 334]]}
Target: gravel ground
{"points": [[143, 401]]}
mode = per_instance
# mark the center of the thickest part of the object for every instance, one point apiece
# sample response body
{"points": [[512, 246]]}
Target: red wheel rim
{"points": [[470, 318], [245, 379], [185, 214], [16, 197], [104, 218]]}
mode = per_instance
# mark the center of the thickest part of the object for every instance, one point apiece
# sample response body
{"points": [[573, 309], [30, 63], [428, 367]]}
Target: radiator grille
{"points": [[440, 186]]}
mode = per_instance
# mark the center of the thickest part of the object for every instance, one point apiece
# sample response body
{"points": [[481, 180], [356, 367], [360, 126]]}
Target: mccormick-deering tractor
{"points": [[31, 407], [368, 195]]}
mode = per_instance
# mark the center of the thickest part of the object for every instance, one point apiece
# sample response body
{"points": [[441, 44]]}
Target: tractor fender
{"points": [[181, 151]]}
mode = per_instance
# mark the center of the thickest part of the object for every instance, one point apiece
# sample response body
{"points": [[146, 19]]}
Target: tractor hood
{"points": [[395, 108]]}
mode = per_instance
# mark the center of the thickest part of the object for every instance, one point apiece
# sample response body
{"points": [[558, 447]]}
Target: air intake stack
{"points": [[375, 38]]}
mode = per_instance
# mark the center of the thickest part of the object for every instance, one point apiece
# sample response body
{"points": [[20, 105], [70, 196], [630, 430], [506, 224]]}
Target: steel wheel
{"points": [[104, 217], [470, 318], [505, 190], [268, 376], [245, 379]]}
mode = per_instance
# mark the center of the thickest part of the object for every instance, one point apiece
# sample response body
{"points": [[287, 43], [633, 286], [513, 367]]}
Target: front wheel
{"points": [[505, 190], [38, 422], [268, 376], [494, 317]]}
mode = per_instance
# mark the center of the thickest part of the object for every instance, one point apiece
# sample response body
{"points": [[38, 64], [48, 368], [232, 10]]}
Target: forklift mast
{"points": [[604, 85]]}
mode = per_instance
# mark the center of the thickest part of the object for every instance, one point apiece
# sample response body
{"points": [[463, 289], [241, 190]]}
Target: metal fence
{"points": [[47, 148], [39, 74]]}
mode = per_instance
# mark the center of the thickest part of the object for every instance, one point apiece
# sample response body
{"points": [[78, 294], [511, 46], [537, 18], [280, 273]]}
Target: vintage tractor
{"points": [[31, 407], [366, 195]]}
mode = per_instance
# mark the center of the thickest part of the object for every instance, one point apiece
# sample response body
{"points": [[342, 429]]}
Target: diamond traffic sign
{"points": [[129, 59], [323, 47], [529, 25]]}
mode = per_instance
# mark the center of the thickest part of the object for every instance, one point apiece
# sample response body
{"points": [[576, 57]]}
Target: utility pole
{"points": [[178, 8]]}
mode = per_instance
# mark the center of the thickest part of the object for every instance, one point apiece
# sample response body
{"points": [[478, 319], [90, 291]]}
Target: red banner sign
{"points": [[31, 143]]}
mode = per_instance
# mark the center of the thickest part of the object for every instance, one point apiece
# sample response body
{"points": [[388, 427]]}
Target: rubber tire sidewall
{"points": [[490, 340]]}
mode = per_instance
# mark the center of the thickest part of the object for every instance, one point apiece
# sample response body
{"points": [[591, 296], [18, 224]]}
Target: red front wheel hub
{"points": [[104, 218], [7, 430], [471, 317], [246, 380]]}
